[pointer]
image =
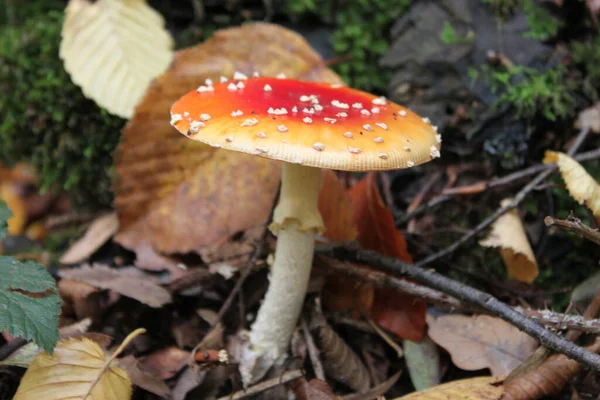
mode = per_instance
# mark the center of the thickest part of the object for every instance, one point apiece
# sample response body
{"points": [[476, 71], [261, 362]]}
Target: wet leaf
{"points": [[481, 388], [99, 232], [481, 342], [509, 235], [130, 282], [423, 362], [177, 195], [581, 186], [113, 49]]}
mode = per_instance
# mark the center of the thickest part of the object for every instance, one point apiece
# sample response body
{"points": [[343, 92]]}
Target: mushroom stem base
{"points": [[296, 222]]}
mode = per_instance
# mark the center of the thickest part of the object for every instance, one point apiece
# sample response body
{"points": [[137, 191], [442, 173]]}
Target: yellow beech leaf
{"points": [[113, 49], [79, 369], [581, 186], [481, 388], [508, 234]]}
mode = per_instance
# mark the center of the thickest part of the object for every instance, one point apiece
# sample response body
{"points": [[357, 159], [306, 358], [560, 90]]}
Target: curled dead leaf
{"points": [[481, 342], [339, 360], [113, 49], [548, 379], [581, 186], [509, 234], [179, 196]]}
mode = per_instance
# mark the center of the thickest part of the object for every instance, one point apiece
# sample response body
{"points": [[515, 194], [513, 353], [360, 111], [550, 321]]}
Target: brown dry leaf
{"points": [[377, 391], [165, 363], [481, 342], [130, 282], [316, 389], [80, 299], [113, 49], [582, 187], [142, 378], [336, 209], [480, 388], [339, 361], [509, 234], [546, 380], [99, 232], [179, 195], [79, 368]]}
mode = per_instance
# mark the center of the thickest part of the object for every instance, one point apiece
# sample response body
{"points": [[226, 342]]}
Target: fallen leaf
{"points": [[79, 368], [178, 195], [399, 313], [314, 390], [377, 391], [590, 117], [165, 363], [339, 360], [142, 378], [481, 342], [581, 186], [423, 362], [480, 388], [80, 299], [113, 49], [99, 232], [130, 282], [546, 380], [509, 234], [336, 209]]}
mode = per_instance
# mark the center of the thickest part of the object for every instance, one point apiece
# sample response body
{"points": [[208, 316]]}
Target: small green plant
{"points": [[47, 121], [29, 301], [449, 35], [586, 55], [543, 25], [531, 92]]}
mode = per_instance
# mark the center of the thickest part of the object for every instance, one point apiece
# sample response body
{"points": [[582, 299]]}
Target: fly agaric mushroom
{"points": [[308, 126]]}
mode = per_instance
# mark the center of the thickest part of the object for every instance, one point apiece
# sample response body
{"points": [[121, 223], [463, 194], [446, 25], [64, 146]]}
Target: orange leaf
{"points": [[336, 209], [178, 195], [396, 312]]}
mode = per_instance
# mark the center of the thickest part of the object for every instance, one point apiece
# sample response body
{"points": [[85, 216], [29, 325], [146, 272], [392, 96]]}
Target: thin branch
{"points": [[574, 224], [553, 319], [468, 295], [494, 183], [517, 199], [261, 387]]}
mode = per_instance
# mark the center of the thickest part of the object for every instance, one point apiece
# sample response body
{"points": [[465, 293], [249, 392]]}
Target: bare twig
{"points": [[504, 181], [517, 199], [545, 317], [386, 338], [574, 224], [261, 387], [313, 352], [7, 349], [469, 295]]}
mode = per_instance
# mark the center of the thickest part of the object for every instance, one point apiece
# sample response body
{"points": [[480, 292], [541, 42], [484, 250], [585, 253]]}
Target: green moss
{"points": [[364, 43], [586, 55], [533, 93], [47, 121], [543, 25]]}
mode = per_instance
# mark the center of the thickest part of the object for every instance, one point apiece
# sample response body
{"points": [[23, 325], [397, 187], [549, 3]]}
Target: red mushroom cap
{"points": [[312, 124]]}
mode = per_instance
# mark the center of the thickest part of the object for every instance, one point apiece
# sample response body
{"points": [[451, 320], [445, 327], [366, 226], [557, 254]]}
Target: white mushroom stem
{"points": [[296, 221]]}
